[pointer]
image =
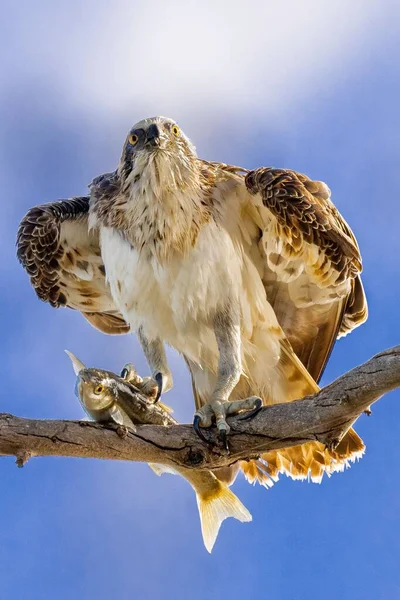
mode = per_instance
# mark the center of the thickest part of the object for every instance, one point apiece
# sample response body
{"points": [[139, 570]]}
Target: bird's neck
{"points": [[165, 209]]}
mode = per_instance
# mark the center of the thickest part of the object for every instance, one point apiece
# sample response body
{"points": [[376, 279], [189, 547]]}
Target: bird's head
{"points": [[156, 195], [157, 153]]}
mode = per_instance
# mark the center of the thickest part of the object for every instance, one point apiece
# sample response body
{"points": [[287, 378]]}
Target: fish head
{"points": [[95, 389]]}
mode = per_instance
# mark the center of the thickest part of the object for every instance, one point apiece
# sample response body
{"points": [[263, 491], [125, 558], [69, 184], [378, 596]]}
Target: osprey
{"points": [[250, 275]]}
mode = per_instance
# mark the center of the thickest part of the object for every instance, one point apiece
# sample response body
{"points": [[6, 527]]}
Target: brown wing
{"points": [[63, 261], [313, 263], [309, 262]]}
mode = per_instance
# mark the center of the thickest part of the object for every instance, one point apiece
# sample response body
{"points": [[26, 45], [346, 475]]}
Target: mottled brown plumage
{"points": [[64, 266], [306, 215], [178, 236], [307, 218]]}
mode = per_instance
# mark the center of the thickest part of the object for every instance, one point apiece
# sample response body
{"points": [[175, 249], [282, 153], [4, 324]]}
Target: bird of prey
{"points": [[250, 275]]}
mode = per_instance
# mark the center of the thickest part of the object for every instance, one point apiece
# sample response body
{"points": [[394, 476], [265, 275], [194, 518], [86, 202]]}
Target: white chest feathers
{"points": [[176, 300]]}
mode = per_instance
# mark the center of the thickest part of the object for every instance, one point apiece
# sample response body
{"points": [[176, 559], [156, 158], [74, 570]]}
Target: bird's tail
{"points": [[214, 508], [308, 461]]}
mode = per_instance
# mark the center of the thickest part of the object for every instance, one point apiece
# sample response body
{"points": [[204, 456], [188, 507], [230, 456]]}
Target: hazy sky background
{"points": [[309, 85]]}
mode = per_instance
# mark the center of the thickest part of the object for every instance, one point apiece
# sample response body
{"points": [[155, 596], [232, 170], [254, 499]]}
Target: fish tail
{"points": [[215, 507]]}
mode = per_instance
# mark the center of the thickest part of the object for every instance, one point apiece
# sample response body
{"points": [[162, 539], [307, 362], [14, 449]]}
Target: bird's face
{"points": [[156, 142], [96, 389]]}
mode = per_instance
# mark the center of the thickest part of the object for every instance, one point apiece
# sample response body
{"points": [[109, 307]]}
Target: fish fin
{"points": [[161, 469], [167, 409], [227, 475], [118, 417], [214, 508], [77, 364]]}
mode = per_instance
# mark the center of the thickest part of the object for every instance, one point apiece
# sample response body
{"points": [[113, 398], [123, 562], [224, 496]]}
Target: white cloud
{"points": [[155, 57]]}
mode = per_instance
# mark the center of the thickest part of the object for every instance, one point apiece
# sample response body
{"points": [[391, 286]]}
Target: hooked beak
{"points": [[77, 365], [153, 138]]}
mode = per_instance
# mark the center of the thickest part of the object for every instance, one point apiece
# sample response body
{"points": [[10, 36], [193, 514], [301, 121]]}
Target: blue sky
{"points": [[308, 85]]}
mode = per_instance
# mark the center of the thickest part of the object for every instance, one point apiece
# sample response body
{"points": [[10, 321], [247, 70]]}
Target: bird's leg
{"points": [[227, 333], [161, 379]]}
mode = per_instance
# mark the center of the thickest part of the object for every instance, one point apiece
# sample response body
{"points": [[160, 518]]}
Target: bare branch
{"points": [[325, 416]]}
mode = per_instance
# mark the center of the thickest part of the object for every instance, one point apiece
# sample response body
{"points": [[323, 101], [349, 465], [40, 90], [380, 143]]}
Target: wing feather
{"points": [[313, 266], [310, 264], [63, 260]]}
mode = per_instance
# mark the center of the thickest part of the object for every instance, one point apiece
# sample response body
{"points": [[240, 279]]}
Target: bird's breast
{"points": [[177, 299]]}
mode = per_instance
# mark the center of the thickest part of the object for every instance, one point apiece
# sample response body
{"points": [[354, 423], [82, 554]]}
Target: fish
{"points": [[109, 398]]}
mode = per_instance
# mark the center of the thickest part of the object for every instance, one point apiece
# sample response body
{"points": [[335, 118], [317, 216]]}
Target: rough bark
{"points": [[325, 417]]}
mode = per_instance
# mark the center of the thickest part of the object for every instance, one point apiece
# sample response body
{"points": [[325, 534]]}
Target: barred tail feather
{"points": [[215, 508], [306, 462], [350, 447]]}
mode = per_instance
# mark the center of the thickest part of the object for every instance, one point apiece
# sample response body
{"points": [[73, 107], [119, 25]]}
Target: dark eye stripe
{"points": [[128, 160]]}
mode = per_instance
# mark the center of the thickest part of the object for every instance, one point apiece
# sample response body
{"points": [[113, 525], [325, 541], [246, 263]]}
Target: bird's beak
{"points": [[76, 363], [153, 138]]}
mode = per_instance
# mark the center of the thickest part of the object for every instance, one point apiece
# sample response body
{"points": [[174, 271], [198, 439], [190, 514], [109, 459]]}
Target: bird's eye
{"points": [[133, 139], [175, 130], [98, 389]]}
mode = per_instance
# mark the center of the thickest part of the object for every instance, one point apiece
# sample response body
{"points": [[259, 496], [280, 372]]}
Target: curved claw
{"points": [[130, 374], [197, 428], [223, 437], [252, 413], [160, 381]]}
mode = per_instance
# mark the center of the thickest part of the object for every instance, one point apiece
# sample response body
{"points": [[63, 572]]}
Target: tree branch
{"points": [[325, 416]]}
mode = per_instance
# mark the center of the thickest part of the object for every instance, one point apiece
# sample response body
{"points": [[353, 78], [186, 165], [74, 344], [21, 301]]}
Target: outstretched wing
{"points": [[313, 264], [62, 258]]}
